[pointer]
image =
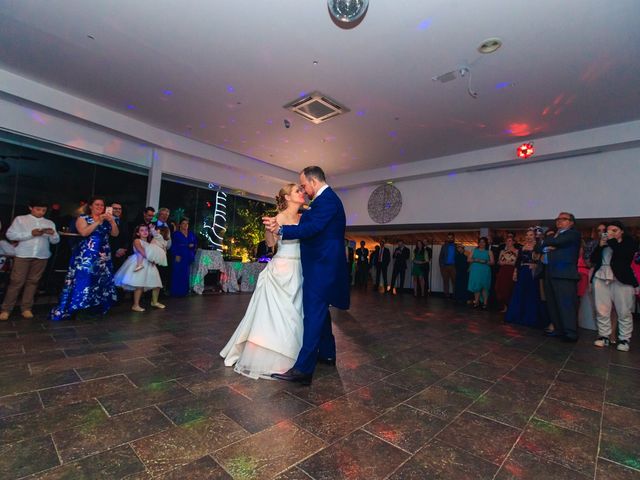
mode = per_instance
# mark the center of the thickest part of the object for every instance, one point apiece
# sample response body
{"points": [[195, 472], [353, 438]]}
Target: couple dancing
{"points": [[286, 330]]}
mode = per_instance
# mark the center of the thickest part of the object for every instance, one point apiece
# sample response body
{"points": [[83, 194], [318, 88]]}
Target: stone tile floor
{"points": [[424, 389]]}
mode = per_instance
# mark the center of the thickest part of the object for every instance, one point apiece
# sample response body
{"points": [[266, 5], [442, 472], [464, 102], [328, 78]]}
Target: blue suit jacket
{"points": [[563, 261], [321, 233]]}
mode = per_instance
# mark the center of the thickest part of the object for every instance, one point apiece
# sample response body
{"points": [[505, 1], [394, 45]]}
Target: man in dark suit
{"points": [[120, 244], [350, 256], [321, 233], [264, 252], [400, 257], [561, 276], [362, 265], [380, 260]]}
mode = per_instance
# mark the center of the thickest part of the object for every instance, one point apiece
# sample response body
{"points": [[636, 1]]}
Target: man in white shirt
{"points": [[34, 234]]}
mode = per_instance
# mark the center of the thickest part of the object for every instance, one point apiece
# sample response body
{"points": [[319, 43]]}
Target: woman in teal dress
{"points": [[480, 273], [418, 270]]}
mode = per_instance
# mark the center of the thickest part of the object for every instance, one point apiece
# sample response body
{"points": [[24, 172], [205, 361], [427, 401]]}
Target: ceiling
{"points": [[220, 71]]}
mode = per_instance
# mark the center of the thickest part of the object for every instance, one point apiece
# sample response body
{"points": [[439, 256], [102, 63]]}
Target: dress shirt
{"points": [[30, 246], [319, 192]]}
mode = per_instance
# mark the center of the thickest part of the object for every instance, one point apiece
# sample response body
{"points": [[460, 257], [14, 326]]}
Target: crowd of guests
{"points": [[539, 283], [150, 254], [548, 281]]}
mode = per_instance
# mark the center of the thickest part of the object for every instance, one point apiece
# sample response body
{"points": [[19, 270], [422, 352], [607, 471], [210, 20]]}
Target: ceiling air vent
{"points": [[316, 107]]}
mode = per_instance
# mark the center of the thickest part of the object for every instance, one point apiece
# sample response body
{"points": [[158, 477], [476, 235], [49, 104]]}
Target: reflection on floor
{"points": [[423, 389]]}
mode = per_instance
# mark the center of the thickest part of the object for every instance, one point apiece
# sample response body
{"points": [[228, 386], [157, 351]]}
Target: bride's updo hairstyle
{"points": [[281, 202]]}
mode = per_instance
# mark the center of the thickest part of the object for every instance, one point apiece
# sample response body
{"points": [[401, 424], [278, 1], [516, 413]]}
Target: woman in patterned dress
{"points": [[504, 278], [89, 283]]}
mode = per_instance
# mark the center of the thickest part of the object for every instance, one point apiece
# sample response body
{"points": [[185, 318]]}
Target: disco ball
{"points": [[347, 11]]}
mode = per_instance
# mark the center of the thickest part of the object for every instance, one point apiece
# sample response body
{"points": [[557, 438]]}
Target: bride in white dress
{"points": [[269, 337]]}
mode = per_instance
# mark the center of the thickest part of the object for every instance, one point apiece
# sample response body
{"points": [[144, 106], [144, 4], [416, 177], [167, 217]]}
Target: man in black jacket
{"points": [[561, 276], [362, 265], [381, 258], [121, 244], [349, 256], [400, 257], [614, 284]]}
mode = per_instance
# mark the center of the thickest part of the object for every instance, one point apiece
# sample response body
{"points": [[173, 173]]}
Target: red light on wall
{"points": [[525, 150]]}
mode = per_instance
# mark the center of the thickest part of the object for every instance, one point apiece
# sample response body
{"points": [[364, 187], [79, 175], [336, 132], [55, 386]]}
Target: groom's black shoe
{"points": [[327, 361], [294, 376]]}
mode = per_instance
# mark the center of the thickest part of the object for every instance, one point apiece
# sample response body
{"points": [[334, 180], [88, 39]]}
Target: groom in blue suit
{"points": [[324, 268]]}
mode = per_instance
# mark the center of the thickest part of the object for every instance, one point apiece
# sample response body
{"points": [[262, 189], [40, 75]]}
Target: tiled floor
{"points": [[423, 390]]}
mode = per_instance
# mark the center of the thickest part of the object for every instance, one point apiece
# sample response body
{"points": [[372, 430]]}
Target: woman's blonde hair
{"points": [[281, 202]]}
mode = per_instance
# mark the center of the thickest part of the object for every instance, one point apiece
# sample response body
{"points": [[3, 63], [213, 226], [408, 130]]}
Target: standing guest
{"points": [[145, 218], [163, 219], [89, 283], [129, 277], [34, 235], [428, 251], [504, 277], [362, 265], [587, 307], [264, 251], [461, 293], [382, 265], [541, 265], [481, 260], [349, 254], [373, 260], [525, 306], [591, 244], [561, 276], [583, 271], [418, 270], [614, 284], [447, 261], [400, 257], [183, 251], [121, 243]]}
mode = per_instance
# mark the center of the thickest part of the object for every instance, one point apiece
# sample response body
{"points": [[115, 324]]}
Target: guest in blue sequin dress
{"points": [[525, 307], [183, 252], [89, 283]]}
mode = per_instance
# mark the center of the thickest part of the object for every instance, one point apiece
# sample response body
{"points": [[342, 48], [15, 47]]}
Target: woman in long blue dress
{"points": [[183, 252], [525, 307], [89, 283], [480, 273]]}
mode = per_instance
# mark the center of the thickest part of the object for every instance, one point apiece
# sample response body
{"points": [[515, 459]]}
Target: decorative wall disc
{"points": [[385, 203]]}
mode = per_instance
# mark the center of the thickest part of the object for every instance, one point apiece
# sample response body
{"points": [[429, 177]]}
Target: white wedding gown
{"points": [[269, 337]]}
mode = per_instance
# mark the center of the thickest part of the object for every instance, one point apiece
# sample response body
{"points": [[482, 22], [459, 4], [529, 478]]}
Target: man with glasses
{"points": [[120, 244], [561, 276]]}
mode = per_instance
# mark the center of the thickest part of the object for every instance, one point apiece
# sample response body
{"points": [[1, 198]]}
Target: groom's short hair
{"points": [[314, 172]]}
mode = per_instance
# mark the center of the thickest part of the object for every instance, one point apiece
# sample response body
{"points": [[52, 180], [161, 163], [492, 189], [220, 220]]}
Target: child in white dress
{"points": [[129, 277]]}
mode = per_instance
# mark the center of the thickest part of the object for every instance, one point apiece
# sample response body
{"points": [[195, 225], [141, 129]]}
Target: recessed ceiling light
{"points": [[316, 62], [490, 45]]}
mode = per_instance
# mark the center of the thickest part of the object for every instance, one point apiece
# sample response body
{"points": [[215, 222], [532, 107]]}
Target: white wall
{"points": [[593, 186], [36, 110]]}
